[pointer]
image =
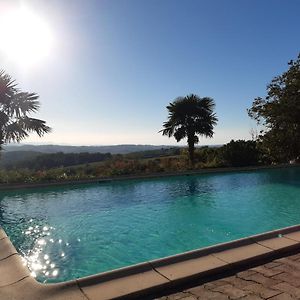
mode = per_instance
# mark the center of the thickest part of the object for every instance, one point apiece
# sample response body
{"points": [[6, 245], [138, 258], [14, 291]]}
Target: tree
{"points": [[279, 114], [15, 108], [240, 153], [189, 117]]}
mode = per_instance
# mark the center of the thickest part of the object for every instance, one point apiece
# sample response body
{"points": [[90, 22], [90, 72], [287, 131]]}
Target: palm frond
{"points": [[14, 133], [23, 103], [15, 106], [3, 118], [34, 125], [180, 133], [8, 88]]}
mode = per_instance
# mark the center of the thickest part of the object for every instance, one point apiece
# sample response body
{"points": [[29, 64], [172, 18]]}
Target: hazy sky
{"points": [[114, 65]]}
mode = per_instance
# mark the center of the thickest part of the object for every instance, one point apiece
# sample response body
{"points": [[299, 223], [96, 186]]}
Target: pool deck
{"points": [[275, 280], [271, 271]]}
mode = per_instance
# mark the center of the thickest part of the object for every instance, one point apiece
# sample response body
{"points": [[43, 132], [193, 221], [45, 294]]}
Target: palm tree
{"points": [[189, 117], [15, 106]]}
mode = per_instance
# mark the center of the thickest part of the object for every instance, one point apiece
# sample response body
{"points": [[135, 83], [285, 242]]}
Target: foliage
{"points": [[117, 165], [15, 108], [279, 114], [240, 153], [207, 155], [125, 165], [54, 160], [190, 117]]}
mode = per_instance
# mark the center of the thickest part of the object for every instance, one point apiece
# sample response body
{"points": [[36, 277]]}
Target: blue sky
{"points": [[116, 64]]}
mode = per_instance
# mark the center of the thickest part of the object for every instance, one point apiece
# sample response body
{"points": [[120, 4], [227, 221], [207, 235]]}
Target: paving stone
{"points": [[293, 263], [278, 243], [207, 294], [179, 296], [29, 289], [231, 291], [237, 282], [276, 280], [214, 296], [189, 267], [213, 284], [285, 268], [252, 297], [294, 257], [283, 296], [289, 268], [266, 271], [291, 279], [266, 281], [6, 248], [289, 289], [2, 234], [189, 298], [262, 291], [246, 274], [94, 286], [294, 236], [14, 270], [242, 253], [281, 260], [272, 264], [198, 290]]}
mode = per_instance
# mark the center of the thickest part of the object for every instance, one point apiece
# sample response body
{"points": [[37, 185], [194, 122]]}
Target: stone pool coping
{"points": [[148, 278], [14, 186]]}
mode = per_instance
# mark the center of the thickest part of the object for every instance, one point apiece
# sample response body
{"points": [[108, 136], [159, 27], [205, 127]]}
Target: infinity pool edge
{"points": [[14, 186]]}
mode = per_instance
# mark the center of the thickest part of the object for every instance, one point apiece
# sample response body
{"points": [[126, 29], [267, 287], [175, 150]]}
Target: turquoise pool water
{"points": [[69, 232]]}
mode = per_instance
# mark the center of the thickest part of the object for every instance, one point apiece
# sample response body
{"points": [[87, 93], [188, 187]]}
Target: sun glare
{"points": [[25, 38]]}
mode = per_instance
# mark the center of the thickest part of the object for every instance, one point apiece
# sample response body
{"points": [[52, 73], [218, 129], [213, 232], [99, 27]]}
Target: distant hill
{"points": [[41, 161], [116, 149], [14, 157], [51, 156]]}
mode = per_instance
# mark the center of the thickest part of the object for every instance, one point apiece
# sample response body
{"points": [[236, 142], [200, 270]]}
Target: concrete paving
{"points": [[275, 280]]}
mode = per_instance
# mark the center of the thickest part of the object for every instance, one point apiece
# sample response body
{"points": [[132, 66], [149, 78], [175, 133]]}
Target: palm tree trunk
{"points": [[191, 144]]}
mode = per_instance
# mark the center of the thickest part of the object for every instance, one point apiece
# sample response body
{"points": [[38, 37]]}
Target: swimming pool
{"points": [[69, 232]]}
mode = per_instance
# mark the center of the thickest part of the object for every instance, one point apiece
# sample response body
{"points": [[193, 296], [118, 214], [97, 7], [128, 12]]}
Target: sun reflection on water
{"points": [[40, 258]]}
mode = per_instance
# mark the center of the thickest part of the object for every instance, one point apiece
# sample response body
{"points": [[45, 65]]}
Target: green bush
{"points": [[240, 153]]}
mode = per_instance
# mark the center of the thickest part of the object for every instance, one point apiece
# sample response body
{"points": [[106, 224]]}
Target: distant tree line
{"points": [[60, 159], [154, 153]]}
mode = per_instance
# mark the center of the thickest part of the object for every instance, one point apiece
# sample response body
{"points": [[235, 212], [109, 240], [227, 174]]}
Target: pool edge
{"points": [[100, 180], [149, 277]]}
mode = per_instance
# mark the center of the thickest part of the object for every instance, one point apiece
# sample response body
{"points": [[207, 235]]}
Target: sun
{"points": [[25, 38]]}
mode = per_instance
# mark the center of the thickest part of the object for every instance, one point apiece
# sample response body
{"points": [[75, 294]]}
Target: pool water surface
{"points": [[70, 232]]}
